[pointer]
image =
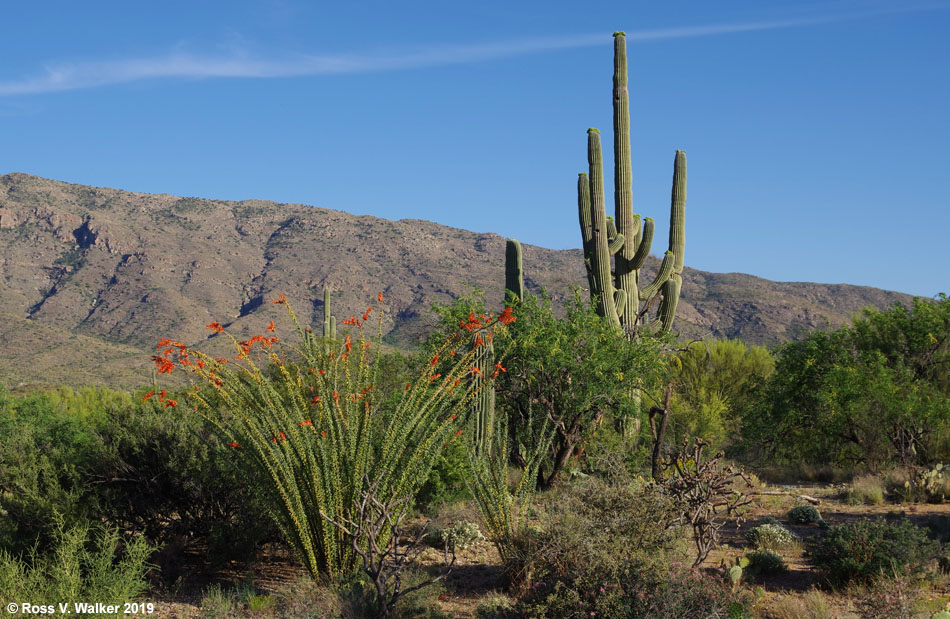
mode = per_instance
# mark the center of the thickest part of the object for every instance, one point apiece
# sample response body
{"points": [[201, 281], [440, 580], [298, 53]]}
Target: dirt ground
{"points": [[478, 575]]}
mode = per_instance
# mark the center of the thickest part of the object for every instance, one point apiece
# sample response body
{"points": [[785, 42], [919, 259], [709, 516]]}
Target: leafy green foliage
{"points": [[573, 372], [714, 385], [100, 456], [864, 549], [877, 392], [446, 480]]}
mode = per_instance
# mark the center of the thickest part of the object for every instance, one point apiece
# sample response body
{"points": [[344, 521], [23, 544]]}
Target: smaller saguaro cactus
{"points": [[484, 405], [514, 275], [329, 321]]}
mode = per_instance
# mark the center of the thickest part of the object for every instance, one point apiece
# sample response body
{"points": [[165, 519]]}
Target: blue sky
{"points": [[816, 132]]}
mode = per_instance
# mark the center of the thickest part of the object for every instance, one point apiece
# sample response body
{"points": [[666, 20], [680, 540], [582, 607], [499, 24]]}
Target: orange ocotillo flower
{"points": [[215, 326], [271, 326]]}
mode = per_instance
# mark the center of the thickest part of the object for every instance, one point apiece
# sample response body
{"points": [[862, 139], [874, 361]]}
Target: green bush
{"points": [[764, 561], [862, 550], [771, 537], [446, 481], [75, 570], [593, 539], [874, 393], [804, 514], [132, 465]]}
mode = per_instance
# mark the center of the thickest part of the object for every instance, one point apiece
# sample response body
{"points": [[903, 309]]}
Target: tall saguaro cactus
{"points": [[617, 291]]}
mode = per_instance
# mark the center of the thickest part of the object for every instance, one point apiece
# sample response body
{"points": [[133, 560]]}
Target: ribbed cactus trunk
{"points": [[514, 274], [617, 290], [677, 241], [602, 289], [484, 406], [625, 269], [329, 322]]}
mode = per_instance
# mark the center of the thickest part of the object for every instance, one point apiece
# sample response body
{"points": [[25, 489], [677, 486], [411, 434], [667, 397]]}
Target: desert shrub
{"points": [[865, 490], [892, 595], [80, 566], [461, 535], [862, 550], [495, 606], [764, 561], [804, 514], [706, 493], [938, 526], [771, 537], [592, 541], [679, 591], [132, 465], [446, 480]]}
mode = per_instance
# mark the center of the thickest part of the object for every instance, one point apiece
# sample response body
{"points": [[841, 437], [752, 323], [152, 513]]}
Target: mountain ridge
{"points": [[127, 268]]}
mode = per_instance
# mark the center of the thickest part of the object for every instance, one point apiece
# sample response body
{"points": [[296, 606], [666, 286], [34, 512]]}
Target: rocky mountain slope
{"points": [[89, 275]]}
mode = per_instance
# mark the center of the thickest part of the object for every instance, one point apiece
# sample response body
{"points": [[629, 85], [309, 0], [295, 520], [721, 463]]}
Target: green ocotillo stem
{"points": [[514, 275], [625, 275], [602, 281]]}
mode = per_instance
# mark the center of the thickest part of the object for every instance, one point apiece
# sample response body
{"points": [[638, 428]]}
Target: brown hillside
{"points": [[130, 268]]}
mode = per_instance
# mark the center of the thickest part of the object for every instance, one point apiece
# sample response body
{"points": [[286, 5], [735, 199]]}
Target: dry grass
{"points": [[812, 604], [865, 490]]}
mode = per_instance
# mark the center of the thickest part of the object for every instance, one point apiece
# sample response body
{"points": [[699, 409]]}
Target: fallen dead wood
{"points": [[804, 497]]}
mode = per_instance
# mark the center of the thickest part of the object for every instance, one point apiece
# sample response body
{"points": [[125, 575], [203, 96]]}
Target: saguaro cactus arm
{"points": [[671, 293], [602, 282]]}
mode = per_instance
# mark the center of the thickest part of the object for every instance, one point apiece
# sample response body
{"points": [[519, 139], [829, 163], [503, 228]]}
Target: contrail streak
{"points": [[80, 75]]}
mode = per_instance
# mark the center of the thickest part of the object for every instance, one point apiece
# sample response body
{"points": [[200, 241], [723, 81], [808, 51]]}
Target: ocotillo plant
{"points": [[309, 422], [617, 291]]}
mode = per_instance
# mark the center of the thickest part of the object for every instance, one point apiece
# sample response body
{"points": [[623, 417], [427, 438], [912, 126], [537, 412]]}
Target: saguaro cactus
{"points": [[514, 275], [329, 322], [626, 238]]}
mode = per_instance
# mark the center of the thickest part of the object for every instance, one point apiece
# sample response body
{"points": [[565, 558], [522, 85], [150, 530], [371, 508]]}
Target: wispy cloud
{"points": [[79, 75]]}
